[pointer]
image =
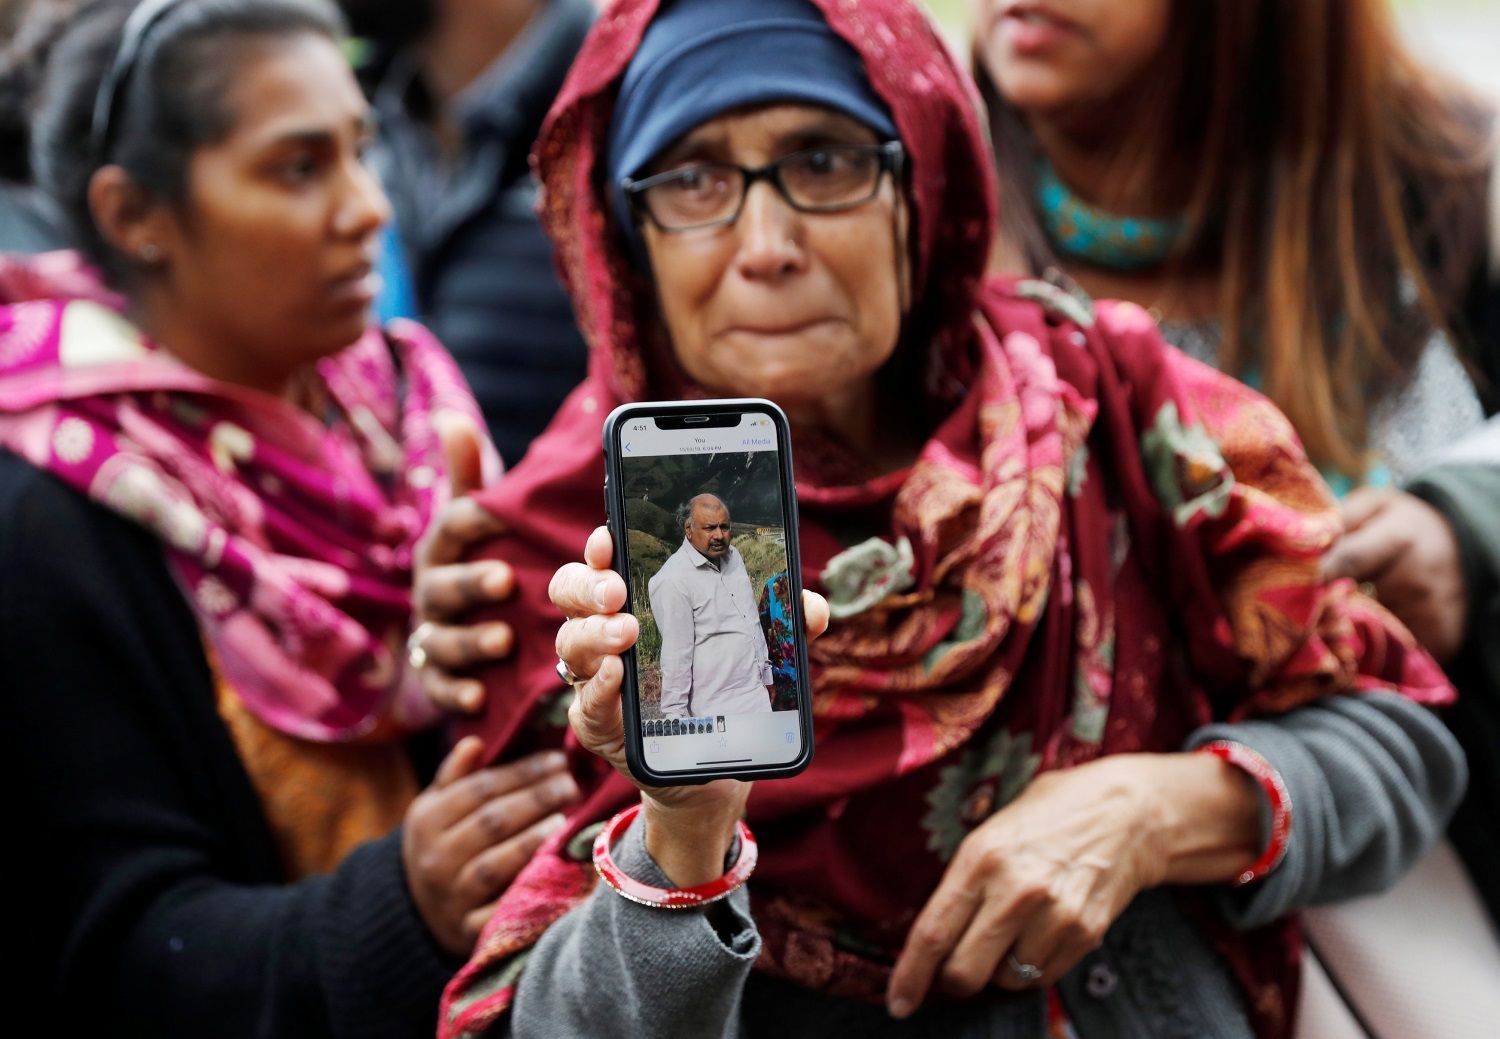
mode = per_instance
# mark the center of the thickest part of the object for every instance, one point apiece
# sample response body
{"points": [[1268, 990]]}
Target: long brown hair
{"points": [[1338, 189]]}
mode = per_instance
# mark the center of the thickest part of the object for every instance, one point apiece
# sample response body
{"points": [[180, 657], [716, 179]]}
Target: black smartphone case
{"points": [[614, 506]]}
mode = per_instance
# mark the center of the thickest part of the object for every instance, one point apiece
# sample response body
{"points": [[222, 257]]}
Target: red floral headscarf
{"points": [[1101, 547]]}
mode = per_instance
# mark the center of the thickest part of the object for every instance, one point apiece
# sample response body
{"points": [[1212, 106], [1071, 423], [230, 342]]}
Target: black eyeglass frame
{"points": [[891, 156], [112, 86]]}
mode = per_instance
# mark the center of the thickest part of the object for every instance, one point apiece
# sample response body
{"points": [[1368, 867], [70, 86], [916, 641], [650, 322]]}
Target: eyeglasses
{"points": [[817, 180]]}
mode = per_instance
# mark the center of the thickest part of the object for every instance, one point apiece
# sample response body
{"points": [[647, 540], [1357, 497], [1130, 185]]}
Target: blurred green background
{"points": [[952, 13]]}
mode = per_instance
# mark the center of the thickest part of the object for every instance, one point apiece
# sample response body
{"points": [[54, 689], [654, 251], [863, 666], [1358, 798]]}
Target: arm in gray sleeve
{"points": [[674, 620], [614, 968], [1373, 779]]}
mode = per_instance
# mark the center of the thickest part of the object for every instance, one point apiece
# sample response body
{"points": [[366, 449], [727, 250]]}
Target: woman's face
{"points": [[798, 307], [1049, 56], [271, 255]]}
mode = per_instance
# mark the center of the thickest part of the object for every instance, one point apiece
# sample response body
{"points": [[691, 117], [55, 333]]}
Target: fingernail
{"points": [[472, 697], [562, 788], [615, 629], [494, 641], [553, 823], [899, 1007], [599, 593], [552, 761], [495, 582]]}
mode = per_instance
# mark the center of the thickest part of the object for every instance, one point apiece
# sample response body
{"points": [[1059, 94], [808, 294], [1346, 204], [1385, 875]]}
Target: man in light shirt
{"points": [[714, 658]]}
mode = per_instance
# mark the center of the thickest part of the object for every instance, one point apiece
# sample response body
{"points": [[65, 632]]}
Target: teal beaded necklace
{"points": [[1080, 231]]}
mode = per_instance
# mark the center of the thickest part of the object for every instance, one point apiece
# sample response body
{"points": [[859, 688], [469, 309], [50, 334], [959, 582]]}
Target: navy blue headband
{"points": [[112, 86], [702, 58]]}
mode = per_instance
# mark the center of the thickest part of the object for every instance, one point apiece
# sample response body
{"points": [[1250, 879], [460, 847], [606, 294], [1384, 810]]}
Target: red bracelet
{"points": [[663, 897], [1260, 770]]}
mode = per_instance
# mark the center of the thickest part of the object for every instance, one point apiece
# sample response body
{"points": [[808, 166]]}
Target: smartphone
{"points": [[703, 513]]}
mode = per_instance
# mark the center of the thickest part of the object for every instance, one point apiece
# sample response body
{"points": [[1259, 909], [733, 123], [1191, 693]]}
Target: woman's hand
{"points": [[1406, 550], [688, 829], [468, 834], [447, 591], [1043, 879]]}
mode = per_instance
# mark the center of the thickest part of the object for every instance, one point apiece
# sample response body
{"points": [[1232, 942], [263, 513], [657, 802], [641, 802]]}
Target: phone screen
{"points": [[707, 519]]}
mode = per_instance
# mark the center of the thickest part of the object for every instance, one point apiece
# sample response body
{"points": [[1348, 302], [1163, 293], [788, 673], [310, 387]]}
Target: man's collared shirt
{"points": [[714, 658]]}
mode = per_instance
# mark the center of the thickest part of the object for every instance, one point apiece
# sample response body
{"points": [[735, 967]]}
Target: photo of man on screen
{"points": [[714, 657]]}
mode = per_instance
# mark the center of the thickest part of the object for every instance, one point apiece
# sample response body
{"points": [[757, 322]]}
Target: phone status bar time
{"points": [[642, 438]]}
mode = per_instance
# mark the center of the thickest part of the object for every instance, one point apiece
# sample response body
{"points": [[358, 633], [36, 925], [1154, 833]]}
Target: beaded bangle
{"points": [[670, 898], [1270, 781]]}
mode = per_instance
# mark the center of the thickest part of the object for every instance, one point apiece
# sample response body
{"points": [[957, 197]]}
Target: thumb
{"points": [[466, 756], [1362, 554], [463, 450]]}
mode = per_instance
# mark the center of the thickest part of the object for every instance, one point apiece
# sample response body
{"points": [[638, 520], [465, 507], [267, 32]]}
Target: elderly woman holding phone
{"points": [[1060, 560]]}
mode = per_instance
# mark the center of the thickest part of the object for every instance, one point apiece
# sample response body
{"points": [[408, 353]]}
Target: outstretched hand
{"points": [[688, 828]]}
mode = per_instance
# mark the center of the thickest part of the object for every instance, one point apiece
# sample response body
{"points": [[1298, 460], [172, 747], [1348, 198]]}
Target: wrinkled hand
{"points": [[447, 591], [1042, 880], [468, 834], [688, 828], [1406, 550]]}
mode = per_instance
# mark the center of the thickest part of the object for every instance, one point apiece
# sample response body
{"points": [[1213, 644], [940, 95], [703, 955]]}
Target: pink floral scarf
{"points": [[292, 539]]}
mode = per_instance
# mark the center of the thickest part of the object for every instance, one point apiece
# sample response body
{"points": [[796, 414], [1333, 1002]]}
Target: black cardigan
{"points": [[145, 892]]}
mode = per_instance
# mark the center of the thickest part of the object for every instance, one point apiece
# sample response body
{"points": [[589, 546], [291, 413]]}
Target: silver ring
{"points": [[566, 674], [416, 653], [1027, 972]]}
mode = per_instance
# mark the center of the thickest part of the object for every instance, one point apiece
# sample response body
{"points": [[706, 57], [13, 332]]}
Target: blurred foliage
{"points": [[764, 555], [746, 481], [650, 517], [647, 554]]}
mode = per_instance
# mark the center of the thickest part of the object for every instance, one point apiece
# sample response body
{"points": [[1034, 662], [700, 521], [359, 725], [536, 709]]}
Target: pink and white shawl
{"points": [[292, 539]]}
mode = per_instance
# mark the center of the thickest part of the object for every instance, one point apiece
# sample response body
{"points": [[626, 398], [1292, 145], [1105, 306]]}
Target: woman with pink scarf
{"points": [[213, 476]]}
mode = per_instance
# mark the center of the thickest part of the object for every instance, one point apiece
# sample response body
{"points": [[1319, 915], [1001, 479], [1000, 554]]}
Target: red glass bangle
{"points": [[663, 897], [1262, 771]]}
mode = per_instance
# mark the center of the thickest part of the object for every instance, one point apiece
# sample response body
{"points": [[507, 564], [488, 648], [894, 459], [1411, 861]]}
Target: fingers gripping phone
{"points": [[703, 513]]}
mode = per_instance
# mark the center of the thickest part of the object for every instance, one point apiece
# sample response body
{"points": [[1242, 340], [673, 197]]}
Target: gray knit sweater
{"points": [[1372, 779]]}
